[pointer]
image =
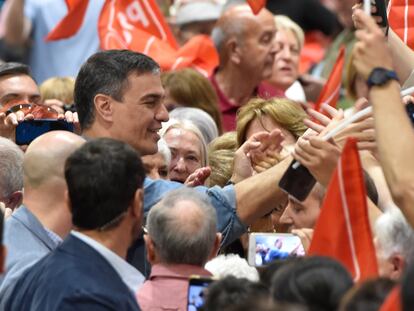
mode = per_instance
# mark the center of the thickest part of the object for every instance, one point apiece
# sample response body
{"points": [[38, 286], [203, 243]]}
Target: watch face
{"points": [[378, 76]]}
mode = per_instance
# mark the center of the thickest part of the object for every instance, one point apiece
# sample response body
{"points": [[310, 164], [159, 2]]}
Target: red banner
{"points": [[331, 91], [401, 20], [343, 231]]}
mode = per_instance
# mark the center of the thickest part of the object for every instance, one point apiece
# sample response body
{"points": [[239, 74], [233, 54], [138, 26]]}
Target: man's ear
{"points": [[216, 247], [138, 204], [398, 265], [103, 107], [233, 48], [150, 248], [15, 200]]}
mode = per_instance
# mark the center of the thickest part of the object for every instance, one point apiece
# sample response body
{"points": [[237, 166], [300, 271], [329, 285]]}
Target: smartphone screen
{"points": [[196, 292], [297, 181], [267, 247], [29, 130]]}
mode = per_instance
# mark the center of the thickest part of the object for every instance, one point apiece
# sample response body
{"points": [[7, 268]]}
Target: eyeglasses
{"points": [[38, 111]]}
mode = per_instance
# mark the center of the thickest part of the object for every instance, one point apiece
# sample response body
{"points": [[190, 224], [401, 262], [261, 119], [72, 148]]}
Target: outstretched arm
{"points": [[395, 135], [17, 27]]}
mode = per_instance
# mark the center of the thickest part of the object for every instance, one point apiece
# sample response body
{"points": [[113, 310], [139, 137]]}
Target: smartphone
{"points": [[297, 181], [29, 130], [267, 247], [197, 288], [381, 11], [410, 111]]}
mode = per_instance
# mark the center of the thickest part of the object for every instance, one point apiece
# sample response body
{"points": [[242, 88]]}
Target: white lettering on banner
{"points": [[126, 27], [135, 13]]}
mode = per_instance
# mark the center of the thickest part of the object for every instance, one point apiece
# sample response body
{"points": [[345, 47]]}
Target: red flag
{"points": [[401, 20], [120, 18], [257, 5], [393, 301], [343, 231], [71, 23], [330, 92]]}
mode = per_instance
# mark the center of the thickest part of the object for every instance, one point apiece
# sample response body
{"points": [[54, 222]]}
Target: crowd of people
{"points": [[164, 175]]}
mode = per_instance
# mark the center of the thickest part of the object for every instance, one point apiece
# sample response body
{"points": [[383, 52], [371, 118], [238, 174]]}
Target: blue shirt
{"points": [[222, 199], [62, 57]]}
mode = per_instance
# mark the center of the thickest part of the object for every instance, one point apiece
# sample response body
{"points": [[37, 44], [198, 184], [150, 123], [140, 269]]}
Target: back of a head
{"points": [[45, 157], [310, 282], [231, 292], [200, 118], [394, 235], [221, 154], [11, 168], [191, 89], [369, 296], [183, 227], [107, 73], [102, 177]]}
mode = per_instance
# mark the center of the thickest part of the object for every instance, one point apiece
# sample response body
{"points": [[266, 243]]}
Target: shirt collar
{"points": [[53, 236], [129, 275], [177, 271]]}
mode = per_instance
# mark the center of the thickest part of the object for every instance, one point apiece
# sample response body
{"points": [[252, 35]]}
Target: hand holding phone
{"points": [[29, 130]]}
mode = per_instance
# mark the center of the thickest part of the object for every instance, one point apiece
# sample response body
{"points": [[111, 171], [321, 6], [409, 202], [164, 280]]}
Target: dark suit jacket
{"points": [[73, 277]]}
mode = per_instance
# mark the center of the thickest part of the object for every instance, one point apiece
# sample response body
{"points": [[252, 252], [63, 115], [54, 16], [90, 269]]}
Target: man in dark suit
{"points": [[88, 271], [40, 224]]}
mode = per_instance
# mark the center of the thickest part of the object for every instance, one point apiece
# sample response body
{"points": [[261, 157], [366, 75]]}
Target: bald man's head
{"points": [[46, 155], [240, 37]]}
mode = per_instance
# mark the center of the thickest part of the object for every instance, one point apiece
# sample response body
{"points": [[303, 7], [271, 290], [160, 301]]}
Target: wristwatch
{"points": [[380, 76]]}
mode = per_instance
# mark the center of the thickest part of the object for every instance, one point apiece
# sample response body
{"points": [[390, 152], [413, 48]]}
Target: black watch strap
{"points": [[380, 76]]}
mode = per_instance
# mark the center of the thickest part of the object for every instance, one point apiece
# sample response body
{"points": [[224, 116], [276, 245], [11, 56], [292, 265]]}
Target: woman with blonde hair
{"points": [[266, 115]]}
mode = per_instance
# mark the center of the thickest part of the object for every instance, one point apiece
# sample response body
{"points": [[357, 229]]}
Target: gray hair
{"points": [[285, 23], [164, 150], [200, 118], [187, 125], [11, 167], [394, 235], [183, 237]]}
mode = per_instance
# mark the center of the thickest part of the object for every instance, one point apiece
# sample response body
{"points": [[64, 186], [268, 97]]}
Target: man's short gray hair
{"points": [[11, 167], [180, 237], [394, 235]]}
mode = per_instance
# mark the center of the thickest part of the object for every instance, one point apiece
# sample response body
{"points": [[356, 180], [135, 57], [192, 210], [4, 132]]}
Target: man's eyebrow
{"points": [[154, 96]]}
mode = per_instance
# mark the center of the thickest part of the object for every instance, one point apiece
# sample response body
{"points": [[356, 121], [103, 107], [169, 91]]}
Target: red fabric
{"points": [[257, 5], [343, 231], [120, 20], [331, 90], [401, 20], [393, 301], [71, 23]]}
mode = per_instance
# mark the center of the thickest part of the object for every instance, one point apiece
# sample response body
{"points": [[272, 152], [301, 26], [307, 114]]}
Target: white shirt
{"points": [[131, 276]]}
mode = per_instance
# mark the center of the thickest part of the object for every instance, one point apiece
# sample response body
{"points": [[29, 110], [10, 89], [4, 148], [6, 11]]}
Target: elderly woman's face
{"points": [[286, 65], [186, 153], [266, 124]]}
